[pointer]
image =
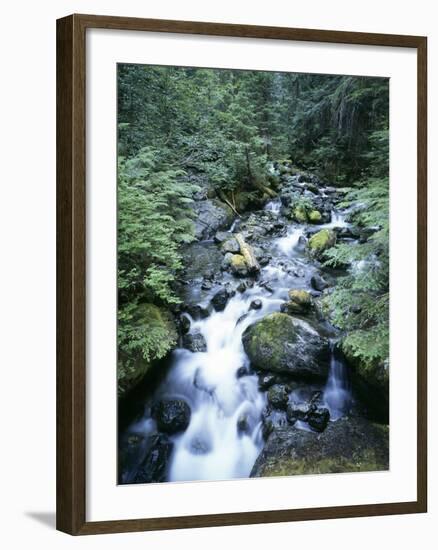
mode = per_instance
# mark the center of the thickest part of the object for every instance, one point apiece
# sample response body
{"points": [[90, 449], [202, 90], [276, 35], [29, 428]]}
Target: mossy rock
{"points": [[315, 216], [371, 381], [132, 367], [347, 445], [301, 297], [280, 343], [300, 214], [322, 241], [238, 265]]}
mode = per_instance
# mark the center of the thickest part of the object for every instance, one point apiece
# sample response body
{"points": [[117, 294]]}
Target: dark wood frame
{"points": [[71, 300]]}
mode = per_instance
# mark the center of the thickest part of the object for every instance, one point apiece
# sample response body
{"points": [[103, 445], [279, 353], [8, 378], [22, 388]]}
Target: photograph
{"points": [[253, 273]]}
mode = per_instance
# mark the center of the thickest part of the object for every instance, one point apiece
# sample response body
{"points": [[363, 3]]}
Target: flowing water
{"points": [[220, 398]]}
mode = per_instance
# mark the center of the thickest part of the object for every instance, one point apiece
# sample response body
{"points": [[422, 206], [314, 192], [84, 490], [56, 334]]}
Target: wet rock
{"points": [[272, 419], [231, 245], [315, 216], [238, 265], [256, 304], [199, 311], [184, 323], [347, 445], [172, 416], [242, 371], [194, 342], [220, 299], [318, 418], [280, 343], [154, 466], [278, 396], [370, 379], [226, 262], [211, 215], [243, 424], [321, 241], [297, 411], [206, 285], [300, 302], [347, 233], [266, 380], [241, 287], [318, 283], [221, 236]]}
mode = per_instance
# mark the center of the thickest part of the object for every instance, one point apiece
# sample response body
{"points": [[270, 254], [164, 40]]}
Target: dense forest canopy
{"points": [[185, 131]]}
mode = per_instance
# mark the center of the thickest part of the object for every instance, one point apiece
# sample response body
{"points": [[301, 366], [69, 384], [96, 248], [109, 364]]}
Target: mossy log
{"points": [[264, 189], [248, 253]]}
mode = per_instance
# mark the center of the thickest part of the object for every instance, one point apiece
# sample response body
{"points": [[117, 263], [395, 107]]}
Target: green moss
{"points": [[367, 462], [321, 241], [238, 265], [267, 337], [301, 297], [300, 214], [315, 216]]}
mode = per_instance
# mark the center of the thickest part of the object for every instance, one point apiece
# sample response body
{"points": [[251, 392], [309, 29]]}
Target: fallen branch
{"points": [[224, 198], [248, 253]]}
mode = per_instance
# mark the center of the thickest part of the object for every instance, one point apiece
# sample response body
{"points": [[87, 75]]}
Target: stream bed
{"points": [[226, 407]]}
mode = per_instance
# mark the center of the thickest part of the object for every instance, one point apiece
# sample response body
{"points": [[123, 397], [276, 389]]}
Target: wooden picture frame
{"points": [[71, 273]]}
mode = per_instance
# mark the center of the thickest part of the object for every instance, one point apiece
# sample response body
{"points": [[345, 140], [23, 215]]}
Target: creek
{"points": [[225, 434]]}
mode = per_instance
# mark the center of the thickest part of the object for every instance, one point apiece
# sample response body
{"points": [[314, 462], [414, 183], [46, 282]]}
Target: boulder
{"points": [[280, 343], [238, 265], [230, 245], [211, 215], [172, 416], [347, 445], [256, 304], [198, 311], [322, 241], [154, 466], [194, 342], [370, 378], [318, 283], [318, 418], [300, 302], [278, 396], [315, 216], [220, 299]]}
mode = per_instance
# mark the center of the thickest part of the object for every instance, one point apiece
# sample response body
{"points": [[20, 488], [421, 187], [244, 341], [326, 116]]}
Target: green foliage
{"points": [[221, 129], [154, 219], [360, 302], [146, 333]]}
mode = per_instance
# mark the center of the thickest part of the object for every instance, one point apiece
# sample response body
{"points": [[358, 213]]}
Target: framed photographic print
{"points": [[241, 274]]}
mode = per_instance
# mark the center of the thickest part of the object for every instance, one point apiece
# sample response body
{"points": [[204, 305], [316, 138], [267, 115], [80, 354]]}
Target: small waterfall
{"points": [[273, 206], [337, 220], [337, 392], [288, 244]]}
